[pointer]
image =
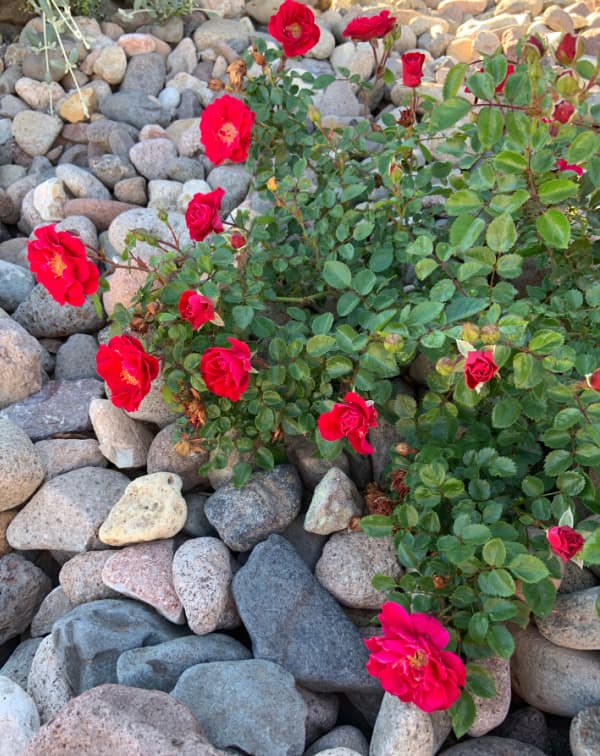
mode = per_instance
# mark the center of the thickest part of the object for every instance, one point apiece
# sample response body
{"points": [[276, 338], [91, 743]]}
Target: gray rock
{"points": [[60, 517], [190, 106], [81, 226], [382, 438], [18, 664], [492, 746], [336, 500], [159, 667], [81, 183], [123, 441], [35, 132], [15, 285], [196, 523], [225, 696], [338, 100], [41, 315], [134, 107], [292, 620], [164, 457], [19, 718], [215, 30], [145, 73], [577, 578], [235, 180], [59, 455], [21, 469], [20, 363], [169, 98], [90, 638], [22, 588], [152, 157], [344, 736], [54, 606], [60, 407], [132, 190], [164, 194], [573, 622], [267, 504], [303, 454], [399, 723], [322, 711], [184, 169], [491, 712], [584, 735], [81, 577], [528, 725], [183, 58], [47, 683], [308, 545], [111, 169], [76, 358]]}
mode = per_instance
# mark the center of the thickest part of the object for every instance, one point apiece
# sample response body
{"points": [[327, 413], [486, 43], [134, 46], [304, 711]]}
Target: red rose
{"points": [[58, 261], [237, 240], [480, 367], [294, 27], [566, 52], [350, 420], [563, 111], [593, 380], [196, 308], [410, 662], [127, 369], [562, 165], [225, 130], [365, 28], [202, 214], [412, 68], [564, 541], [226, 370]]}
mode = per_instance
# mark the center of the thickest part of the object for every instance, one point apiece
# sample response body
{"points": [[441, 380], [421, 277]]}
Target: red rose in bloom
{"points": [[480, 367], [412, 68], [58, 261], [593, 380], [566, 52], [127, 369], [410, 662], [294, 27], [226, 370], [238, 240], [196, 308], [202, 214], [225, 130], [350, 420], [564, 541], [563, 111], [365, 28], [562, 165]]}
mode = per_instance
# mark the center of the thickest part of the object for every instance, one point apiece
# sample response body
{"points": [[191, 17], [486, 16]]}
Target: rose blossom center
{"points": [[418, 659], [126, 377], [57, 265], [227, 133], [295, 30]]}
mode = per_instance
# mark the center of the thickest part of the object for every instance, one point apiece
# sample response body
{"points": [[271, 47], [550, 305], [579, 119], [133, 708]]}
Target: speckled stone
{"points": [[22, 588], [491, 712], [573, 621], [81, 577], [335, 501], [584, 735], [20, 363], [19, 719], [55, 605], [123, 441], [42, 316], [59, 455], [163, 456], [18, 664], [47, 683], [399, 723], [21, 469]]}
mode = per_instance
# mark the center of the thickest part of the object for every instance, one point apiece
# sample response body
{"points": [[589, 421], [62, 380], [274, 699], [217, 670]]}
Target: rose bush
{"points": [[428, 273]]}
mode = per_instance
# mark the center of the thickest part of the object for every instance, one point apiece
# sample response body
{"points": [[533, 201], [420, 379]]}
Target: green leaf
{"points": [[502, 467], [363, 282], [241, 473], [557, 462], [506, 411], [546, 342], [490, 124], [496, 583], [510, 266], [478, 627], [482, 86], [511, 162], [501, 234], [494, 552], [379, 361], [528, 372], [571, 482], [322, 323], [463, 714], [463, 307], [557, 190], [319, 345], [475, 533], [337, 366], [337, 274], [362, 230], [591, 548], [583, 147], [463, 201], [500, 641], [532, 486], [377, 526], [465, 230], [383, 582], [554, 229], [264, 458], [352, 192], [528, 568], [567, 418], [540, 597], [454, 79], [447, 113], [424, 313], [242, 316], [480, 681], [425, 267]]}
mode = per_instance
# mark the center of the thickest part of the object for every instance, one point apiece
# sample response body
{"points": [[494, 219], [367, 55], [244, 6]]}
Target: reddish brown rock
{"points": [[101, 212]]}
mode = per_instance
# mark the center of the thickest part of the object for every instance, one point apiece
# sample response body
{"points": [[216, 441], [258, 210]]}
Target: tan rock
{"points": [[591, 40], [111, 64], [399, 723], [462, 49], [73, 109], [21, 470], [137, 43], [491, 712], [123, 441], [558, 19], [5, 520], [38, 94], [473, 7], [81, 578], [534, 7], [486, 42], [151, 508]]}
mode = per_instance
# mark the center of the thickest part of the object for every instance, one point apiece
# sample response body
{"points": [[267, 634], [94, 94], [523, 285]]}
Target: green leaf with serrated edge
{"points": [[512, 162], [465, 230], [454, 79], [377, 526], [463, 201], [528, 568], [500, 641], [337, 274], [540, 597], [532, 486], [546, 342], [494, 552], [475, 533], [264, 459], [571, 482], [510, 266], [425, 267], [557, 462], [567, 418], [462, 308], [496, 583], [527, 371], [502, 467], [506, 412], [319, 345], [480, 681], [241, 474], [338, 366], [499, 609], [583, 147], [362, 230], [554, 229], [447, 113], [242, 316], [490, 124], [557, 190], [591, 548], [501, 234], [478, 627], [383, 582], [463, 714]]}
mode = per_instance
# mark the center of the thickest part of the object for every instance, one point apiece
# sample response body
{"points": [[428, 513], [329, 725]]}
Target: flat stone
{"points": [[131, 190], [491, 712], [18, 664], [348, 563], [266, 504], [492, 746], [21, 469], [584, 735], [90, 638], [151, 508], [338, 100], [15, 285], [216, 30], [528, 725], [335, 501], [20, 363], [81, 577], [81, 183], [573, 621], [43, 316], [293, 621], [154, 408], [225, 696], [60, 407], [202, 576], [164, 194], [123, 441], [144, 572], [354, 57], [59, 455], [101, 211], [19, 719], [47, 683], [343, 737], [60, 517], [22, 588], [399, 723], [135, 108], [159, 667], [163, 456], [110, 169], [55, 605], [117, 719], [35, 132], [39, 95]]}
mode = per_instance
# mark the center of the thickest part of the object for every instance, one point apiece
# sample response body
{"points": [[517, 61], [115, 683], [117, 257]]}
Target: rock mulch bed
{"points": [[144, 608]]}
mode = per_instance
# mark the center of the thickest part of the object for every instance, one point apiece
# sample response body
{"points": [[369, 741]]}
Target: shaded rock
{"points": [[81, 577], [110, 169], [268, 503], [5, 519], [151, 508], [18, 664], [152, 157], [491, 712], [399, 723], [59, 455], [19, 719], [15, 285], [163, 456], [41, 315], [21, 469], [47, 683], [90, 638], [528, 725], [584, 735], [154, 408], [101, 211], [235, 180], [344, 736], [159, 667], [22, 588], [225, 696], [55, 605], [216, 30], [134, 107], [492, 746], [292, 620], [335, 501], [144, 572], [308, 545], [321, 712], [573, 621], [123, 441], [131, 190], [20, 363], [196, 523], [60, 517], [115, 719]]}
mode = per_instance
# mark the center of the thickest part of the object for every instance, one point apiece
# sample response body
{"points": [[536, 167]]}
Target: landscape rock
{"points": [[335, 501], [111, 64], [21, 469], [322, 711], [399, 723], [15, 285], [35, 132], [492, 746], [146, 73], [573, 621], [47, 683], [134, 107], [6, 518], [49, 199], [59, 455], [528, 725], [42, 316], [81, 183], [19, 719], [81, 577], [22, 588], [55, 605], [152, 157], [491, 712], [163, 455], [78, 106], [76, 358], [18, 664], [20, 363], [584, 735], [196, 523], [123, 441], [344, 736]]}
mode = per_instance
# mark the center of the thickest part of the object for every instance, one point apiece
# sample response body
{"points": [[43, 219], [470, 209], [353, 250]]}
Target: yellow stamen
{"points": [[227, 133], [57, 265], [295, 30], [418, 659], [126, 377]]}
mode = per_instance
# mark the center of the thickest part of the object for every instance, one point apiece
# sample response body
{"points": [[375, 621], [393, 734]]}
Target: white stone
{"points": [[49, 199], [19, 719], [400, 723], [123, 441]]}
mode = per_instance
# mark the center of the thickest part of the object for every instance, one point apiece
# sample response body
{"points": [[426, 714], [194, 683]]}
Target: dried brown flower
{"points": [[398, 484], [237, 71], [377, 501]]}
